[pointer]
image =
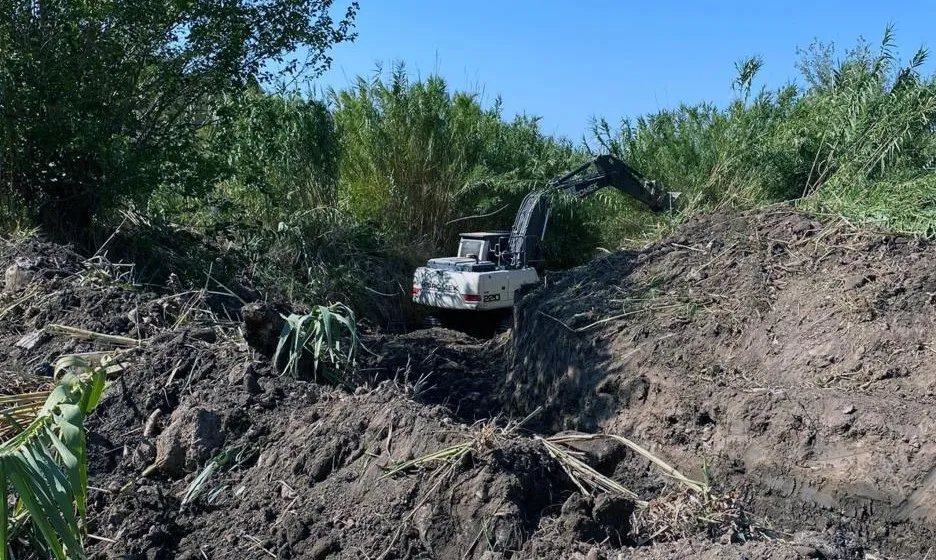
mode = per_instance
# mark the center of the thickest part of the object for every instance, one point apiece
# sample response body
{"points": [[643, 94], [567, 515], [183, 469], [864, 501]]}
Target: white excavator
{"points": [[492, 268]]}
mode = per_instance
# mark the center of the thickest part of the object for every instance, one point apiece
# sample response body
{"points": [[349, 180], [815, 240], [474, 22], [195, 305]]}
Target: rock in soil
{"points": [[191, 438]]}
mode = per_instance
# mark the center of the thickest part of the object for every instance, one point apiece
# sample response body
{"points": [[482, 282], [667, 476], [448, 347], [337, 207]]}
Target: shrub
{"points": [[101, 102]]}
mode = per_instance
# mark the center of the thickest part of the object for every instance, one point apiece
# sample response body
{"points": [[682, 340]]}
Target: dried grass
{"points": [[686, 508]]}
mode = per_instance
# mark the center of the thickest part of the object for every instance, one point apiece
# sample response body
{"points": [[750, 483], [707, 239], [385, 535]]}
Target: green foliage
{"points": [[342, 204], [409, 152], [328, 333], [206, 480], [281, 156], [278, 209], [102, 102], [423, 163], [857, 139], [45, 465]]}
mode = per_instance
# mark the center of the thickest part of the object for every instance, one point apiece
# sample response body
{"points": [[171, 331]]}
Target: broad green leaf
{"points": [[60, 508], [284, 338], [4, 513], [46, 462], [93, 395], [74, 469], [37, 513]]}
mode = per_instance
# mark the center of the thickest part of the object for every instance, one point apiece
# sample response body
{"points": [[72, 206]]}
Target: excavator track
{"points": [[478, 324]]}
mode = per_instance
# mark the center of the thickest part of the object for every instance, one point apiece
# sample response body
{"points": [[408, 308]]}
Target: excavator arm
{"points": [[612, 172], [602, 171]]}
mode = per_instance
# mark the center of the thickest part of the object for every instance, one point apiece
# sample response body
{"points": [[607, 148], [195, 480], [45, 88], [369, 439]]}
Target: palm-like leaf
{"points": [[319, 332], [45, 461]]}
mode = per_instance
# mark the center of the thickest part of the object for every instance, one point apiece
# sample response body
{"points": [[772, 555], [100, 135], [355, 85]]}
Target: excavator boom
{"points": [[612, 172], [602, 171]]}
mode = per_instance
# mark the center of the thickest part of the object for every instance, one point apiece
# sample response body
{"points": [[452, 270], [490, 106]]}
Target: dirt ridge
{"points": [[788, 355], [793, 355]]}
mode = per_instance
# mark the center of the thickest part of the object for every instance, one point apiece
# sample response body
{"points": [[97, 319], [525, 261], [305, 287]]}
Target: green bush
{"points": [[410, 152], [102, 102], [856, 139], [423, 164]]}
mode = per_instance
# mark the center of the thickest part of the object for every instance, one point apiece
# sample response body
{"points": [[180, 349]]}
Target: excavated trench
{"points": [[786, 361]]}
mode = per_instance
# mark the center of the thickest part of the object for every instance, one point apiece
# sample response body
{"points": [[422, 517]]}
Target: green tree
{"points": [[280, 154], [103, 101]]}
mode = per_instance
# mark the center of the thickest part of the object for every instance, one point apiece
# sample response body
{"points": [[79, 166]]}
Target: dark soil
{"points": [[444, 367], [791, 357]]}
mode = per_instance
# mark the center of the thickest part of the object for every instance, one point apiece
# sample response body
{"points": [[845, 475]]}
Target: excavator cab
{"points": [[502, 248], [477, 252]]}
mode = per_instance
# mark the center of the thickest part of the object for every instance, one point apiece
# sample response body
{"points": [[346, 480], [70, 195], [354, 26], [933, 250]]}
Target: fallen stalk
{"points": [[30, 294], [18, 411], [670, 471], [608, 319], [82, 334], [39, 396], [582, 474], [451, 454]]}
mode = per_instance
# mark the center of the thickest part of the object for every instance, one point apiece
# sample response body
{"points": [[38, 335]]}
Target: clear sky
{"points": [[568, 60]]}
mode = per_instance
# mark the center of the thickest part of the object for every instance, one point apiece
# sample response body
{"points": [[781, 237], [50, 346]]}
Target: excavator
{"points": [[492, 269]]}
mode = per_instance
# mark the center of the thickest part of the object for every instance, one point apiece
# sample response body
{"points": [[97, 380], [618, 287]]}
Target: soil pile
{"points": [[793, 358], [789, 358]]}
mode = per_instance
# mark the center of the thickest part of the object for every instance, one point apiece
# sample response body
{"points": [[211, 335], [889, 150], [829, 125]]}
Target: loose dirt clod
{"points": [[262, 327], [190, 439], [17, 275]]}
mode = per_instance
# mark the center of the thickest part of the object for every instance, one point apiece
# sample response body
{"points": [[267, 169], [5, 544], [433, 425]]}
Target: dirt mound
{"points": [[794, 358], [307, 478], [785, 361], [198, 448]]}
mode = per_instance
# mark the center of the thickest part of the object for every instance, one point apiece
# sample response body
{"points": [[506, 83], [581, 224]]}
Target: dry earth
{"points": [[787, 362]]}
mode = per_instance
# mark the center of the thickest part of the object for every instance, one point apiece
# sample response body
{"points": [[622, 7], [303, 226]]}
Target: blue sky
{"points": [[569, 60]]}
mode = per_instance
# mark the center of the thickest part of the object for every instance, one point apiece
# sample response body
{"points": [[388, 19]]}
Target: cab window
{"points": [[471, 247]]}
